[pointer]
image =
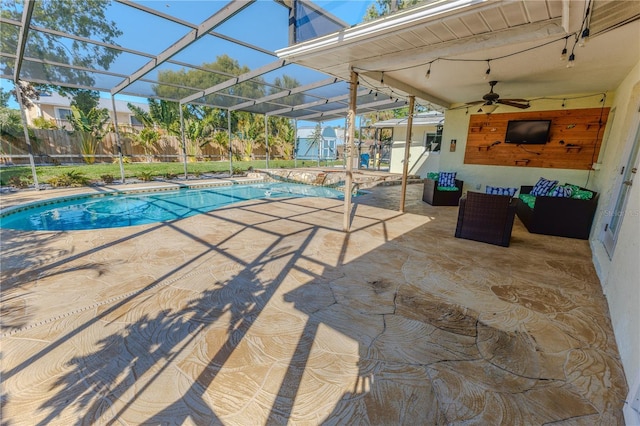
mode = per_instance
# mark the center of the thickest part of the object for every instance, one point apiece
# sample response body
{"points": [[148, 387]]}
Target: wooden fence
{"points": [[52, 147]]}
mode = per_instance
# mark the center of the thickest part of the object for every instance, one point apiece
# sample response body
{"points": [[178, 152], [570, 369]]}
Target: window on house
{"points": [[134, 121], [63, 113]]}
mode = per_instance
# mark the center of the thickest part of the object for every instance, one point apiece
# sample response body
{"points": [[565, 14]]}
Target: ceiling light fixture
{"points": [[585, 37], [488, 109], [572, 60], [563, 55]]}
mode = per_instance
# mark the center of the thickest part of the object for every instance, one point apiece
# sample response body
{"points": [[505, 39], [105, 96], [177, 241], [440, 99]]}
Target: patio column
{"points": [[348, 182], [407, 148], [184, 142], [118, 142], [320, 142], [23, 114], [344, 142], [295, 143], [230, 146], [266, 140]]}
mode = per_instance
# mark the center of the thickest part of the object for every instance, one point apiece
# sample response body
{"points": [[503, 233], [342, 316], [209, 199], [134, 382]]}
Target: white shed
{"points": [[426, 138]]}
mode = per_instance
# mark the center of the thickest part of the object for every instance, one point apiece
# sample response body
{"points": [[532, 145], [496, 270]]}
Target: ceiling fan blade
{"points": [[516, 100], [475, 103], [513, 104]]}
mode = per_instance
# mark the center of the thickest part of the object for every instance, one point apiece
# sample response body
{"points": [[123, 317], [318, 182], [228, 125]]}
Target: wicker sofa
{"points": [[562, 217], [435, 197]]}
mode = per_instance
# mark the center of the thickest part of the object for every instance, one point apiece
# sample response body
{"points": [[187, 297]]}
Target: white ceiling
{"points": [[397, 50]]}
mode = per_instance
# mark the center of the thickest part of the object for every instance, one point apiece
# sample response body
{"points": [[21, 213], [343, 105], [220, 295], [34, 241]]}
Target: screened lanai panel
{"points": [[150, 89], [297, 99], [8, 43], [249, 90], [139, 30], [312, 22], [197, 79], [269, 28], [7, 66], [67, 76], [208, 50], [331, 90], [327, 107], [192, 11], [219, 100], [293, 75], [263, 108], [63, 49]]}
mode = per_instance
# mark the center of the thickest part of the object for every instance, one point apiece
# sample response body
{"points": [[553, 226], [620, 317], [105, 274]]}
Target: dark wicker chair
{"points": [[431, 195], [486, 217]]}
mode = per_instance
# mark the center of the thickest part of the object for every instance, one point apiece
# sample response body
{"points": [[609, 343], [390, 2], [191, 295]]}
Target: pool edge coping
{"points": [[164, 186]]}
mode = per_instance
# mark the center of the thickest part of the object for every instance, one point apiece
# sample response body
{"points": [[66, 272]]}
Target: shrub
{"points": [[126, 159], [17, 182], [108, 179], [145, 176], [70, 178], [238, 171], [169, 175]]}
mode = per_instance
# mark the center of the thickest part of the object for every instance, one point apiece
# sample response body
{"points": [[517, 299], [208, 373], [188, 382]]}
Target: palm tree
{"points": [[147, 138], [92, 128]]}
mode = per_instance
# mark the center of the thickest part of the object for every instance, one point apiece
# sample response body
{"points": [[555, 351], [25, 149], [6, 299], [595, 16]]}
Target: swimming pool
{"points": [[120, 209]]}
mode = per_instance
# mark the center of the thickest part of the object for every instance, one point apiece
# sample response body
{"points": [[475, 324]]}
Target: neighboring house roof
{"points": [[432, 118], [62, 101]]}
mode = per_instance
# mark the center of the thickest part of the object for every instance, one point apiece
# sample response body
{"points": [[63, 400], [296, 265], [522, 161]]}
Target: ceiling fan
{"points": [[491, 100]]}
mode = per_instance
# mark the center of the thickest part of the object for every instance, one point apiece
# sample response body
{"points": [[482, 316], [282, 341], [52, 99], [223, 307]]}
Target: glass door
{"points": [[616, 212]]}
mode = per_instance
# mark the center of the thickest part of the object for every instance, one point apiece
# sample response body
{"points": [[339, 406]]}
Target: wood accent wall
{"points": [[574, 142]]}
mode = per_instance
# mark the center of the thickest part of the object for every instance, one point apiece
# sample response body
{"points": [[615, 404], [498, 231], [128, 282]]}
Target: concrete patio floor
{"points": [[265, 312]]}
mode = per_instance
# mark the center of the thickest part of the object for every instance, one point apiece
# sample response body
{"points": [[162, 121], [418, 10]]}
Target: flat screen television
{"points": [[528, 132]]}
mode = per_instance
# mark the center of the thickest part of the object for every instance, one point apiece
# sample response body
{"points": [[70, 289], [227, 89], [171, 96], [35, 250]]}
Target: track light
{"points": [[572, 60]]}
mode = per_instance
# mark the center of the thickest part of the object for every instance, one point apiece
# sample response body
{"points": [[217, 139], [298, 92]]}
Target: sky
{"points": [[260, 16]]}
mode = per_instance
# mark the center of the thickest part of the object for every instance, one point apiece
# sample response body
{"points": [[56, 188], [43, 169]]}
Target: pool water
{"points": [[130, 209]]}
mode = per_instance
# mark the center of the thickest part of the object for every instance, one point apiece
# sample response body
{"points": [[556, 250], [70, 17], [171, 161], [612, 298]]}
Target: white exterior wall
{"points": [[476, 177], [420, 162], [620, 276]]}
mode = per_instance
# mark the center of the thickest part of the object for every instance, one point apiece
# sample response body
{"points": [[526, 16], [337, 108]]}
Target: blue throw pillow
{"points": [[447, 179], [561, 191], [543, 186], [496, 190]]}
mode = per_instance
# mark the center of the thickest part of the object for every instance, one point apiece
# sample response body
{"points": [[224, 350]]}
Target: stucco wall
{"points": [[476, 177], [420, 162], [620, 275]]}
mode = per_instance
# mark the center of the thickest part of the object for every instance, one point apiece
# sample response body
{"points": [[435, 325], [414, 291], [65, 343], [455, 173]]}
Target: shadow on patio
{"points": [[266, 313]]}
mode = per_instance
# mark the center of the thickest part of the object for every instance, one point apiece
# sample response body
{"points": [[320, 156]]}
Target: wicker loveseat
{"points": [[562, 217]]}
